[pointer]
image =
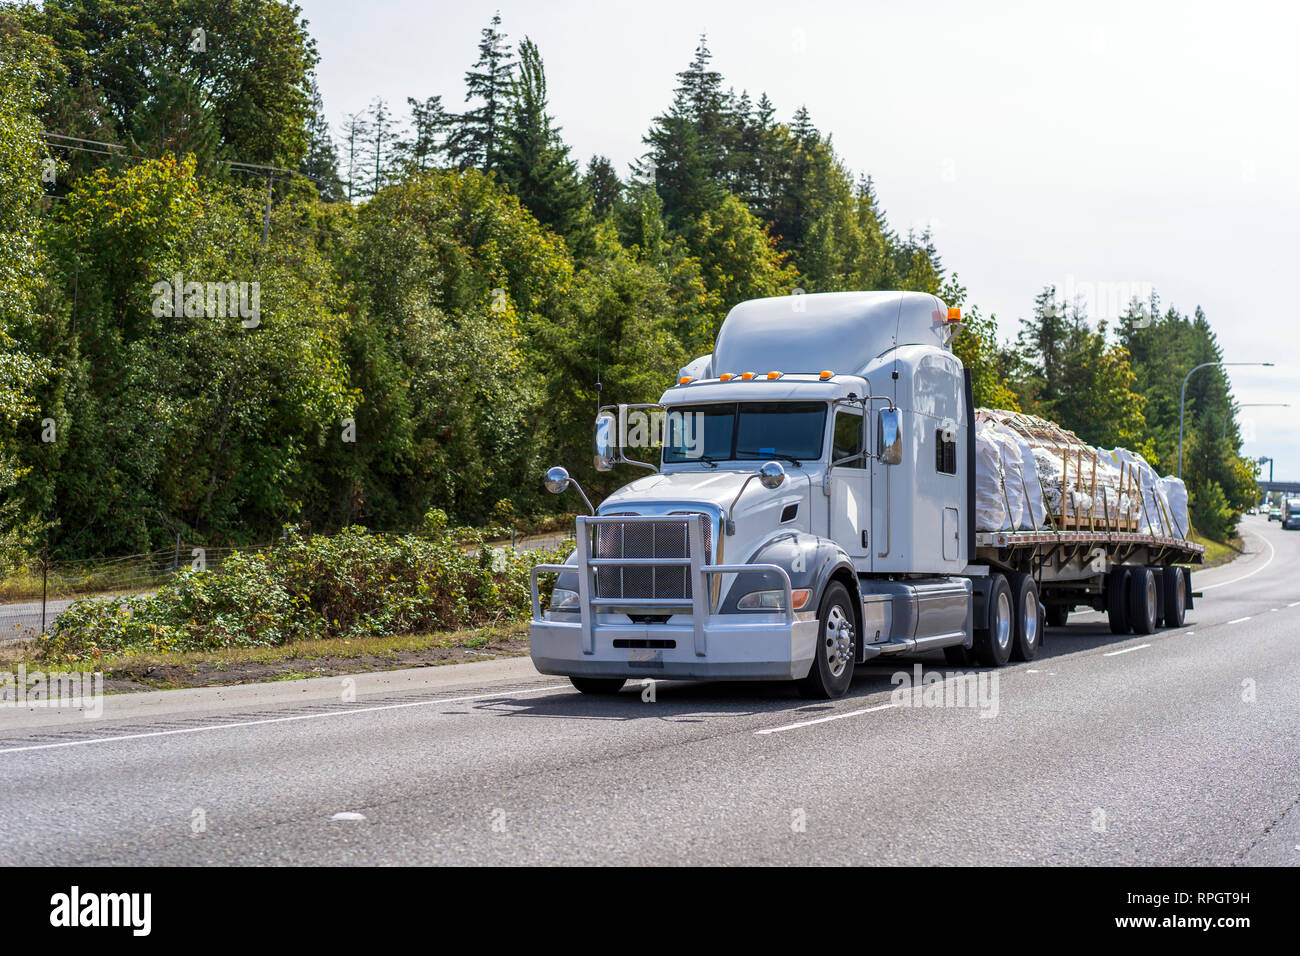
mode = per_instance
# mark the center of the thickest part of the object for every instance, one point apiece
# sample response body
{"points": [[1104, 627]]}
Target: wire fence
{"points": [[32, 598]]}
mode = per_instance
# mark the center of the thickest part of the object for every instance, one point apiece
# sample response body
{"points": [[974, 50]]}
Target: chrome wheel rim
{"points": [[1003, 623], [837, 638], [1031, 619]]}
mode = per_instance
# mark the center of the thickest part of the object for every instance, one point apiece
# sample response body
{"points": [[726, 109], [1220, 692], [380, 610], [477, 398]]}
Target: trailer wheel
{"points": [[1175, 597], [1057, 615], [603, 686], [993, 643], [1117, 588], [832, 667], [1028, 635], [1144, 601]]}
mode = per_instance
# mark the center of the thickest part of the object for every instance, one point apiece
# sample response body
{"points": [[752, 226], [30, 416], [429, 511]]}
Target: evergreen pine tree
{"points": [[476, 140]]}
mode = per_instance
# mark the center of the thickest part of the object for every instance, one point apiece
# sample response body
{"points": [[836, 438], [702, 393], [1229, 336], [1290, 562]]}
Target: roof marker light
{"points": [[684, 380], [725, 377], [825, 375], [746, 376], [772, 375]]}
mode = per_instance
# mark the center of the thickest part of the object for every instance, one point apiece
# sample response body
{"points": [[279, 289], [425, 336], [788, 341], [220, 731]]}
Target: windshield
{"points": [[745, 431]]}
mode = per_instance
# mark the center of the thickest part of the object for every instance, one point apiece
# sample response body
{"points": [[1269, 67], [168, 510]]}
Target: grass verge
{"points": [[328, 657], [1218, 552]]}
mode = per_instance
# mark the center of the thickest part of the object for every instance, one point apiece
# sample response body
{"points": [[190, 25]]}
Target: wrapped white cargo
{"points": [[1175, 495], [1031, 474]]}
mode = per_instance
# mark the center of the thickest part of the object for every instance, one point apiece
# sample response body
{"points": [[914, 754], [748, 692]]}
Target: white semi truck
{"points": [[813, 509]]}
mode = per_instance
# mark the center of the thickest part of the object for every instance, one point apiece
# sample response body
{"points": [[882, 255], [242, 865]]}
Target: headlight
{"points": [[771, 600], [562, 599]]}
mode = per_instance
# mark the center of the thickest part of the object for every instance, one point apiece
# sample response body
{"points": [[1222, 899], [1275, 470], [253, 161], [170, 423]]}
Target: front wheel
{"points": [[602, 686], [832, 667]]}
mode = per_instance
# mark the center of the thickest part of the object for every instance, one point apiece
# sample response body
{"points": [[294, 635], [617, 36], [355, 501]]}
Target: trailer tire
{"points": [[1057, 615], [993, 643], [602, 686], [1144, 601], [1117, 588], [1028, 635], [832, 667], [1175, 597]]}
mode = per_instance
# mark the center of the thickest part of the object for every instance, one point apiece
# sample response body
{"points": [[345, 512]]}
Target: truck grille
{"points": [[666, 538]]}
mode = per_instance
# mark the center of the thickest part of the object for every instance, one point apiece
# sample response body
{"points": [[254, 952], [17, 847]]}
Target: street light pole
{"points": [[1182, 401], [1237, 408]]}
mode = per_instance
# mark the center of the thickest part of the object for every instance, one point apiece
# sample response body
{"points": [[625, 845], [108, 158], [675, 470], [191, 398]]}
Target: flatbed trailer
{"points": [[1073, 568]]}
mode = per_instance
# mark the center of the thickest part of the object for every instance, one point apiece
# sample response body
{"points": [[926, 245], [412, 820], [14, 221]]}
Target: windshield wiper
{"points": [[771, 454], [688, 459]]}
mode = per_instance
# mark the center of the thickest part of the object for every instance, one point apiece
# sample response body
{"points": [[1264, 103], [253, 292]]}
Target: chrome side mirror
{"points": [[558, 481], [771, 474], [606, 452], [890, 436]]}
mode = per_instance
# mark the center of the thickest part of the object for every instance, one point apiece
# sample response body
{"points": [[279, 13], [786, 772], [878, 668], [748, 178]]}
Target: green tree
{"points": [[535, 163], [247, 73], [476, 138]]}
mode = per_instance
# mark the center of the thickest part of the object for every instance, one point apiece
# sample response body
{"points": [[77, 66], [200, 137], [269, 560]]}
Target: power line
{"points": [[234, 164]]}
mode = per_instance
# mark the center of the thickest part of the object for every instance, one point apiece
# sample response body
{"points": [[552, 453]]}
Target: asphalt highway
{"points": [[1181, 747]]}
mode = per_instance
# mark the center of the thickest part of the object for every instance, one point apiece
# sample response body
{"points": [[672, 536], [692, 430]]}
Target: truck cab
{"points": [[810, 508]]}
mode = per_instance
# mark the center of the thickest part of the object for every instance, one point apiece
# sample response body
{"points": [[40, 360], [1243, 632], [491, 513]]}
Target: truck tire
{"points": [[1117, 588], [1027, 636], [1144, 601], [1057, 615], [832, 667], [1175, 597], [993, 643], [603, 686]]}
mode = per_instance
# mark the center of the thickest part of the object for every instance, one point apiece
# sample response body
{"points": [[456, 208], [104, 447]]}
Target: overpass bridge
{"points": [[1284, 487]]}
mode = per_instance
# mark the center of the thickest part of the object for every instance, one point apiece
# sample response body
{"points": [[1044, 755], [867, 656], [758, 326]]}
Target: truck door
{"points": [[850, 487]]}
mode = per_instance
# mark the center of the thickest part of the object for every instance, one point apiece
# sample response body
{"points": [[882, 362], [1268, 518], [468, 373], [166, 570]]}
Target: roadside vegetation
{"points": [[349, 585], [443, 299]]}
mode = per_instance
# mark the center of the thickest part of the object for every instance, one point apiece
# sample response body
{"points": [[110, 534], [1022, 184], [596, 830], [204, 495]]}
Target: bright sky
{"points": [[1106, 148]]}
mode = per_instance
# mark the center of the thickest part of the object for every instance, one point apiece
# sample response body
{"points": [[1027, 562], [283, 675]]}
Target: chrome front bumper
{"points": [[694, 642]]}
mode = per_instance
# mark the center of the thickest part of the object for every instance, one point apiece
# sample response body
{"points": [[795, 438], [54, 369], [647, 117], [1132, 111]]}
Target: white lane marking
{"points": [[1125, 650], [268, 720], [1293, 603], [1240, 620], [822, 720], [348, 815], [1272, 553], [1189, 633]]}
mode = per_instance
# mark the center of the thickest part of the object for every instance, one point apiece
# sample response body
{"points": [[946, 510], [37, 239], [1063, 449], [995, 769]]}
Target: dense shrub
{"points": [[354, 583]]}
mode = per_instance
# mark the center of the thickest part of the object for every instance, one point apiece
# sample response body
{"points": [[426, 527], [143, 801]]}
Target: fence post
{"points": [[176, 561], [45, 576]]}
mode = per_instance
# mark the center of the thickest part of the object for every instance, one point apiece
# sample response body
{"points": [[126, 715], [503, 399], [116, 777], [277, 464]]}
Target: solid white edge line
{"points": [[1272, 553], [1125, 650], [265, 720], [822, 720]]}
